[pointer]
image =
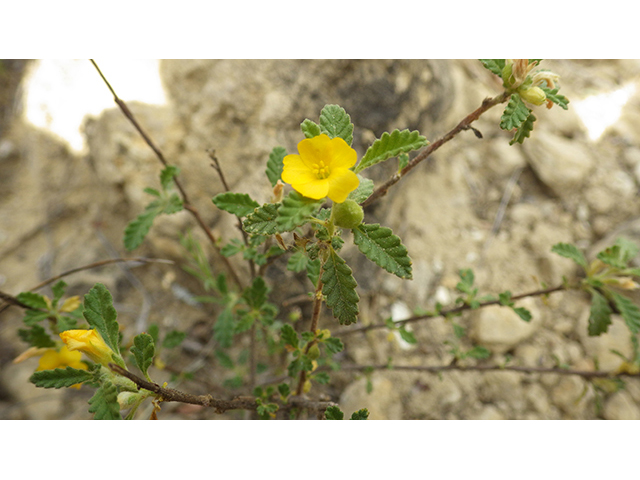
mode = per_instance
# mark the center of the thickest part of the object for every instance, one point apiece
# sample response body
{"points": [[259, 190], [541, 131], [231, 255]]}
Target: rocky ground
{"points": [[60, 210]]}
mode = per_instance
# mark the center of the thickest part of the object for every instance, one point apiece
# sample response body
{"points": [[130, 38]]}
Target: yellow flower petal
{"points": [[341, 185], [89, 342]]}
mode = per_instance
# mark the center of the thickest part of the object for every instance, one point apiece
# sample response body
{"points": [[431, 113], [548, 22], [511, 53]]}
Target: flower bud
{"points": [[314, 352], [347, 214], [534, 95], [90, 343]]}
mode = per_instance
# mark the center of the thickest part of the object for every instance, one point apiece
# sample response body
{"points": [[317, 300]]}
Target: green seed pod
{"points": [[314, 352], [347, 214]]}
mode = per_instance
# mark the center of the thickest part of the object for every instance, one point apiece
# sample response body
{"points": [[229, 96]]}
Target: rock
{"points": [[616, 338], [383, 403], [620, 406], [568, 396]]}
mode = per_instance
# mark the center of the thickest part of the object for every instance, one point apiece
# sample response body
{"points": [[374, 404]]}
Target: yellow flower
{"points": [[89, 342], [52, 359], [322, 168]]}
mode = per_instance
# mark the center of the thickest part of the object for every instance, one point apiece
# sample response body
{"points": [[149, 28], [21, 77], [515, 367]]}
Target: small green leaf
{"points": [[167, 175], [173, 338], [629, 311], [143, 351], [275, 164], [478, 352], [289, 335], [514, 114], [295, 211], [137, 229], [239, 204], [224, 359], [619, 254], [313, 271], [333, 345], [600, 316], [467, 277], [321, 377], [263, 220], [32, 317], [523, 313], [60, 378], [100, 314], [407, 336], [362, 414], [333, 413], [524, 130], [310, 128], [33, 300], [58, 291], [104, 403], [570, 251], [339, 287], [284, 390], [494, 66], [297, 262], [335, 122], [256, 294], [382, 247], [555, 97], [36, 336], [391, 145], [223, 329], [364, 190]]}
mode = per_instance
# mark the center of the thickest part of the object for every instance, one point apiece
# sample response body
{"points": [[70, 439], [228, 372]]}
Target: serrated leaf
{"points": [[33, 300], [524, 130], [333, 344], [629, 311], [173, 338], [223, 329], [362, 414], [333, 413], [275, 164], [60, 378], [263, 220], [523, 313], [295, 211], [407, 336], [494, 66], [297, 262], [335, 122], [478, 352], [555, 97], [256, 294], [58, 291], [619, 254], [36, 336], [137, 229], [289, 335], [339, 288], [515, 113], [364, 190], [104, 403], [172, 205], [313, 271], [310, 129], [391, 145], [167, 174], [600, 316], [382, 247], [321, 377], [239, 204], [570, 251], [32, 317], [100, 314], [224, 359], [143, 351]]}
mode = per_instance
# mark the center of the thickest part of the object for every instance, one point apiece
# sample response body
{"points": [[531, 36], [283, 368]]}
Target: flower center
{"points": [[321, 170]]}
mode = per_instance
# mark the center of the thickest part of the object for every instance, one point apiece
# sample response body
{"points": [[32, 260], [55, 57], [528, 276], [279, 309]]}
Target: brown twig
{"points": [[465, 124], [239, 403], [185, 199], [317, 307], [449, 311]]}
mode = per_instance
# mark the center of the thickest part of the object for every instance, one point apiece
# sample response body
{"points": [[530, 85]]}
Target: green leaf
{"points": [[333, 344], [256, 294], [339, 287], [494, 66], [523, 313], [32, 317], [333, 413], [619, 254], [391, 145], [467, 277], [570, 251], [289, 335], [524, 130], [60, 378], [313, 271], [100, 314], [600, 316], [33, 300], [58, 291], [335, 122], [362, 414], [514, 114], [297, 262], [284, 390], [137, 229], [223, 329], [239, 204], [364, 190], [295, 211], [172, 204], [167, 175], [263, 220], [224, 359], [382, 247], [36, 336], [143, 351], [407, 336], [104, 403], [310, 129], [478, 352], [556, 98], [275, 164], [629, 311]]}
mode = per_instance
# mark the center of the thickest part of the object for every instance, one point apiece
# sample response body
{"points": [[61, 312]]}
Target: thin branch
{"points": [[465, 124], [317, 307], [220, 406], [449, 311]]}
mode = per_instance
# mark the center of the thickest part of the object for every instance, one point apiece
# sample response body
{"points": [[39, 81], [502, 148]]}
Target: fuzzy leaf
{"points": [[364, 190], [58, 291], [60, 378], [523, 313], [297, 262], [256, 294], [382, 247], [313, 271], [295, 211], [289, 335], [310, 128], [137, 229], [263, 220], [556, 98], [173, 338], [335, 122], [224, 327], [600, 316], [143, 351], [494, 66], [339, 287], [36, 336], [514, 114], [333, 413], [391, 145], [33, 300], [275, 164], [104, 403], [333, 344], [619, 254], [570, 251], [629, 311], [100, 314], [239, 204], [524, 130], [167, 175], [362, 414]]}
